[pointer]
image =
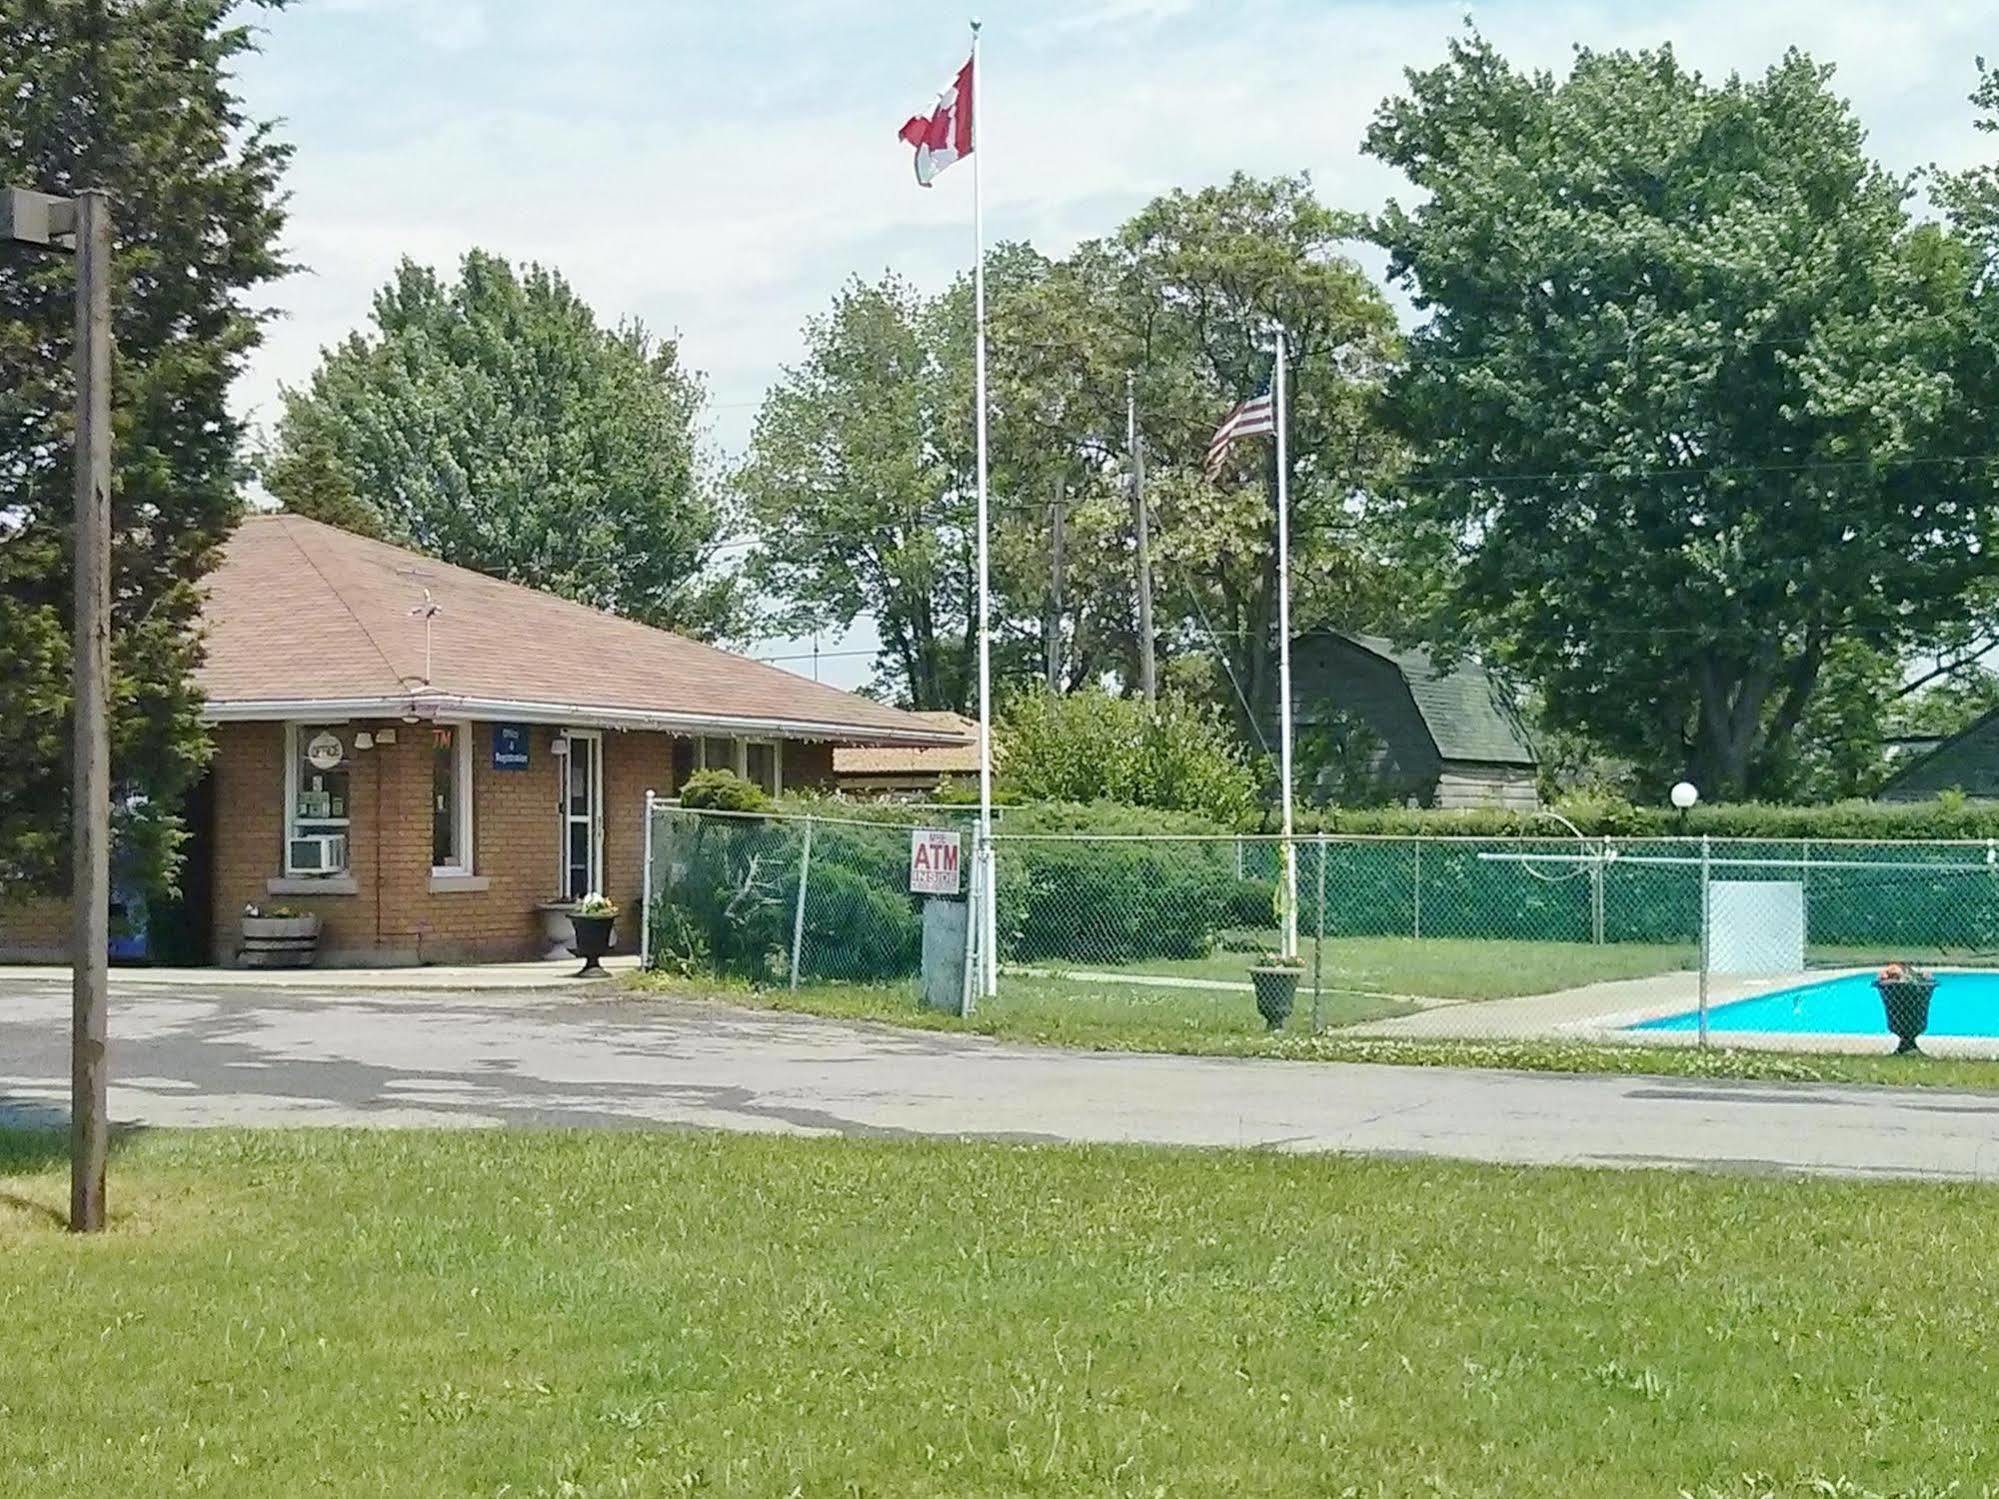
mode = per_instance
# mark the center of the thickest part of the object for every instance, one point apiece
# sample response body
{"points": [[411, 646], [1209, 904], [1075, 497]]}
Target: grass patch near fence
{"points": [[593, 1314], [1434, 967], [1087, 1015], [1107, 1017]]}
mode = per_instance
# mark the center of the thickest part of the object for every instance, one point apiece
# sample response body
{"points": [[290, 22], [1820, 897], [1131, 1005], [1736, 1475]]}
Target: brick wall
{"points": [[808, 766], [34, 928], [395, 912]]}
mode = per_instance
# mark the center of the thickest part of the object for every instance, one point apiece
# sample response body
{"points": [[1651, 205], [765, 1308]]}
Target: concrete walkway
{"points": [[213, 1053]]}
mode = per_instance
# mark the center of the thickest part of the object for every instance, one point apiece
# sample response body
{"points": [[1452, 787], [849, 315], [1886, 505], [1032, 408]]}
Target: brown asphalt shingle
{"points": [[903, 760], [299, 610]]}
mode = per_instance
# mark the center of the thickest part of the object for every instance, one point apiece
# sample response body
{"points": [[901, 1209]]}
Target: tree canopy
{"points": [[492, 422], [1685, 392], [860, 473], [138, 99], [1088, 746]]}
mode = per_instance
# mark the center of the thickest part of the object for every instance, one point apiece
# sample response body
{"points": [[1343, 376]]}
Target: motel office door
{"points": [[581, 815]]}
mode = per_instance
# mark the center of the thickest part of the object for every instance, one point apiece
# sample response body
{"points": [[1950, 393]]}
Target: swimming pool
{"points": [[1965, 1004]]}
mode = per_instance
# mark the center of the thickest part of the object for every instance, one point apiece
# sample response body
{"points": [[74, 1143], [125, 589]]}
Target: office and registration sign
{"points": [[933, 861]]}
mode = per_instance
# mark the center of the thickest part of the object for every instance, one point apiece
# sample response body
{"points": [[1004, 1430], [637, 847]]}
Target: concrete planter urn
{"points": [[595, 920], [279, 937], [1905, 1002], [1276, 985], [558, 932]]}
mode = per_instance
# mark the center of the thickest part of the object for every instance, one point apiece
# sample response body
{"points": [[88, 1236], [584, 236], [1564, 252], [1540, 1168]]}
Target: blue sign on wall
{"points": [[510, 746]]}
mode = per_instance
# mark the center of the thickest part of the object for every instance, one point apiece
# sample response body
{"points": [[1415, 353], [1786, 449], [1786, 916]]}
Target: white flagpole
{"points": [[1284, 651], [988, 924]]}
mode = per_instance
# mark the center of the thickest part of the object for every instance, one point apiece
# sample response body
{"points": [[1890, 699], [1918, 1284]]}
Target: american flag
{"points": [[1252, 418]]}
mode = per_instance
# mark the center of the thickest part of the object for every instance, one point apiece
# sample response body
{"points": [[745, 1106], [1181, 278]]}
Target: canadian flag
{"points": [[945, 134]]}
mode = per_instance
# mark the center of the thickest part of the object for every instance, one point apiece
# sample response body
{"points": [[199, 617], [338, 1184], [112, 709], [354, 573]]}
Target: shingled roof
{"points": [[1461, 707], [959, 758], [303, 618]]}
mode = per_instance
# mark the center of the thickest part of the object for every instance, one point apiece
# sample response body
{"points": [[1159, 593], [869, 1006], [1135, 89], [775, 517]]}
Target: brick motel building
{"points": [[437, 762]]}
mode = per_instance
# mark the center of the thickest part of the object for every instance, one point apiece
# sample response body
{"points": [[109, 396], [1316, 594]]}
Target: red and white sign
{"points": [[933, 861]]}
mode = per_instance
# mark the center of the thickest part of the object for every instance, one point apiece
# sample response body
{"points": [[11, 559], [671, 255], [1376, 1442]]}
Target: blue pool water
{"points": [[1965, 1004]]}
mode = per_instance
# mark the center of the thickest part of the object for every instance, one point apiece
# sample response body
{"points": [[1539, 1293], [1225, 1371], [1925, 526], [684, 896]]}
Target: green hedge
{"points": [[1946, 817]]}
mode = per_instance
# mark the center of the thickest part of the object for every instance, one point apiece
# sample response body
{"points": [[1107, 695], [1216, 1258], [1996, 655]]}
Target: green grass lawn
{"points": [[1051, 1011], [1125, 1017], [1433, 967], [595, 1314]]}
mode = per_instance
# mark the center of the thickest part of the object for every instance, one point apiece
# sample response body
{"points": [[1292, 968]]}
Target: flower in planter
{"points": [[596, 903], [1902, 973]]}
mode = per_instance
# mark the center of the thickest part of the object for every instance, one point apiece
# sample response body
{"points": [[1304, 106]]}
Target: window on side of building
{"points": [[763, 764], [451, 798], [318, 758], [758, 761]]}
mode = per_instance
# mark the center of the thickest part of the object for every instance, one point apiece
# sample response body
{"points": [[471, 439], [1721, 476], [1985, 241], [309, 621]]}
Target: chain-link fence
{"points": [[1130, 939], [783, 899]]}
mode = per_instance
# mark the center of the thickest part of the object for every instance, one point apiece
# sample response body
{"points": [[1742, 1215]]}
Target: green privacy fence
{"points": [[1928, 896]]}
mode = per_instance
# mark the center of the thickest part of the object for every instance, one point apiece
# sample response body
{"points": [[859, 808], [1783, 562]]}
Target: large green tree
{"points": [[492, 422], [1186, 294], [1685, 391], [857, 484], [135, 96], [861, 471]]}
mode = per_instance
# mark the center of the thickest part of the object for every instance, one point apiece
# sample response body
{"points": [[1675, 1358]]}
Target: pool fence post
{"points": [[1596, 892], [1806, 881], [1319, 939], [1418, 923], [1706, 911], [798, 909], [645, 892]]}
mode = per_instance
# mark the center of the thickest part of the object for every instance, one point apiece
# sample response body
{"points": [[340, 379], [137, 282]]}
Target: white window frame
{"points": [[462, 812], [594, 740], [293, 754], [739, 757]]}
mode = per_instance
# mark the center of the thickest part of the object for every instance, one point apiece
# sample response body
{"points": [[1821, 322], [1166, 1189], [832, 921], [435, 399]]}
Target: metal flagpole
{"points": [[1148, 672], [1284, 652], [988, 925]]}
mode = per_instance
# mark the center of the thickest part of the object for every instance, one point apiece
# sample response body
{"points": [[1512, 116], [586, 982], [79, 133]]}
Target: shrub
{"points": [[1090, 901], [857, 929], [1252, 903], [723, 791], [1090, 747], [727, 898]]}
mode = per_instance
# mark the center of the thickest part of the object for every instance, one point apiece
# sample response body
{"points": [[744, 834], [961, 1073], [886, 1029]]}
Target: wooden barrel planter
{"points": [[280, 941]]}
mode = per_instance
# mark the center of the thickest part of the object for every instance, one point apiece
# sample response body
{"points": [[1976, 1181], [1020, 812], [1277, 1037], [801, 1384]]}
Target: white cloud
{"points": [[720, 175]]}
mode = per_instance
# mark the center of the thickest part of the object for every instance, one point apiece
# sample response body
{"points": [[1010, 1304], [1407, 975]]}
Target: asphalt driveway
{"points": [[243, 1054]]}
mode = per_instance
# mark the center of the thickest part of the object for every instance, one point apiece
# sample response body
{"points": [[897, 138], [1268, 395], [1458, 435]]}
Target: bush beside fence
{"points": [[726, 898]]}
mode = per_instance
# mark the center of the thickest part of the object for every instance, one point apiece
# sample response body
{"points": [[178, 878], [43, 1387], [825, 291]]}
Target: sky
{"points": [[718, 170]]}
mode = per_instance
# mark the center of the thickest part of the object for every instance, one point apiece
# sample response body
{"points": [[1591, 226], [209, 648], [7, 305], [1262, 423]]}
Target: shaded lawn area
{"points": [[584, 1314], [1433, 967]]}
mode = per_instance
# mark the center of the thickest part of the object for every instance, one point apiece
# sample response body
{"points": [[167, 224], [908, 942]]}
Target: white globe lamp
{"points": [[1684, 795]]}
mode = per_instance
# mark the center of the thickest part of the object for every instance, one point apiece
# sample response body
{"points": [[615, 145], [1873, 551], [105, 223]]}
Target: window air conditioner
{"points": [[321, 853]]}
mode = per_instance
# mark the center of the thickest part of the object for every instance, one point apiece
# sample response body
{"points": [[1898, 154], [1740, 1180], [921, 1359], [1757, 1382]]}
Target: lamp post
{"points": [[1684, 795], [82, 226]]}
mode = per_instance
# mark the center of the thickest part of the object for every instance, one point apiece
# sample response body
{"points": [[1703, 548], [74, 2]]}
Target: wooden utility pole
{"points": [[90, 808], [1051, 627], [1148, 671]]}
